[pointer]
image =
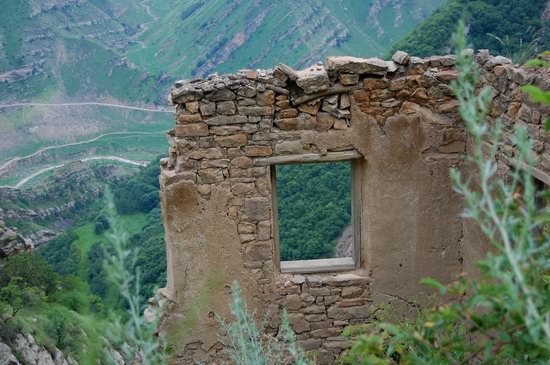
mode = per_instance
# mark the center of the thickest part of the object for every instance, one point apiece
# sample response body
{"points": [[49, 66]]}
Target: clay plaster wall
{"points": [[399, 117]]}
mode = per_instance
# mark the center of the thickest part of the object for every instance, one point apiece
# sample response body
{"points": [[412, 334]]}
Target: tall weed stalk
{"points": [[134, 332]]}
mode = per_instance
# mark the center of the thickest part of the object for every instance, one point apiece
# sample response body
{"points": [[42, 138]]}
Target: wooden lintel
{"points": [[307, 158], [337, 89]]}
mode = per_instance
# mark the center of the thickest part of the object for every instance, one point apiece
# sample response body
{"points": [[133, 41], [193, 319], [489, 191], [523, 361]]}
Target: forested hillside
{"points": [[314, 204], [513, 28]]}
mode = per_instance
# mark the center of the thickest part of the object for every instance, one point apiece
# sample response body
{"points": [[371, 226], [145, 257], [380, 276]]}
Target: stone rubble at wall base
{"points": [[401, 115]]}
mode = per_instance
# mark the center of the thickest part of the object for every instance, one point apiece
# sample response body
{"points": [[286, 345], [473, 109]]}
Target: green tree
{"points": [[20, 296], [31, 271]]}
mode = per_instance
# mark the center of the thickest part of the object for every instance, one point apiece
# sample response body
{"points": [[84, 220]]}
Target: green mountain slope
{"points": [[514, 28], [129, 52], [198, 37]]}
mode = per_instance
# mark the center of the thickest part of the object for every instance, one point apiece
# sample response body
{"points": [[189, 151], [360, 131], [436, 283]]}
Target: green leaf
{"points": [[536, 63], [536, 94], [435, 284], [547, 124]]}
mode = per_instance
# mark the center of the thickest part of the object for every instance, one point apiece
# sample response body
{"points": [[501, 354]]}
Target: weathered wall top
{"points": [[398, 121]]}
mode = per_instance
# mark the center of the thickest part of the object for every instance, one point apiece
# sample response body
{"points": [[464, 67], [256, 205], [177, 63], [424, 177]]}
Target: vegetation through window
{"points": [[314, 210]]}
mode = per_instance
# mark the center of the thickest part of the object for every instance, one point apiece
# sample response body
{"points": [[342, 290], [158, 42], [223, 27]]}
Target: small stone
{"points": [[189, 118], [266, 98], [345, 101], [207, 109], [351, 292], [264, 229], [313, 80], [226, 119], [204, 189], [257, 209], [247, 91], [256, 110], [221, 95], [192, 130], [340, 124], [246, 227], [355, 65], [348, 79], [289, 113], [292, 302], [243, 189], [447, 76], [288, 147], [242, 162], [192, 106], [234, 140], [351, 302], [222, 163], [401, 57], [209, 153], [298, 323], [283, 104], [259, 252], [226, 107], [324, 121], [326, 332], [210, 176], [310, 108], [258, 151]]}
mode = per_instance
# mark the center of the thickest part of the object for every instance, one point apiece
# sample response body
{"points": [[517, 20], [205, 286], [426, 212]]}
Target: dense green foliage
{"points": [[140, 193], [501, 317], [516, 23], [58, 310], [314, 204], [67, 254]]}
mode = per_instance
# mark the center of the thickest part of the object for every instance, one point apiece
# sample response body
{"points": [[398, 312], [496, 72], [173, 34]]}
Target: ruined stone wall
{"points": [[398, 117]]}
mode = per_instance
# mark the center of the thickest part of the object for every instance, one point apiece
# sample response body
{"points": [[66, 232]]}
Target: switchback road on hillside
{"points": [[15, 105], [15, 159], [49, 168]]}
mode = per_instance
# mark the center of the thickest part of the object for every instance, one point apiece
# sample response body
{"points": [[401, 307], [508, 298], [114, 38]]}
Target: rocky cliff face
{"points": [[32, 353], [12, 242]]}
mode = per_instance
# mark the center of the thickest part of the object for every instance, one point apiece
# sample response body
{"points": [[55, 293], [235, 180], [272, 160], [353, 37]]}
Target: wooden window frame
{"points": [[319, 265]]}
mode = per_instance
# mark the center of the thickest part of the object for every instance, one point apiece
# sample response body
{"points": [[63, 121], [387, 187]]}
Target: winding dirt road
{"points": [[15, 105], [40, 151], [49, 168]]}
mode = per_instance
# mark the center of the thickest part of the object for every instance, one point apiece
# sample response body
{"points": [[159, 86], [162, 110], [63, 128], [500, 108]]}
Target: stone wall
{"points": [[398, 116]]}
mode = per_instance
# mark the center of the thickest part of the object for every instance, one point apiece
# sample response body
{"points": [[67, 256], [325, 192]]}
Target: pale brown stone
{"points": [[209, 176], [189, 118], [192, 130], [242, 162], [192, 106], [258, 151], [312, 108], [256, 110], [289, 113], [348, 79], [243, 188], [266, 98], [234, 140], [225, 107]]}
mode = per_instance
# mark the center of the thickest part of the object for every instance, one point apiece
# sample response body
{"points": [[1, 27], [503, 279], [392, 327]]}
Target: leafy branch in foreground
{"points": [[139, 344], [245, 344], [503, 316]]}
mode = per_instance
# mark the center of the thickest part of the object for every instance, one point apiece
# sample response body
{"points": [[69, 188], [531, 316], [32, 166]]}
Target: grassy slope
{"points": [[120, 50], [181, 42]]}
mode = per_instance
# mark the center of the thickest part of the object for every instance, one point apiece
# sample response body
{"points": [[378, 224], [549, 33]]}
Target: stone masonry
{"points": [[400, 121]]}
